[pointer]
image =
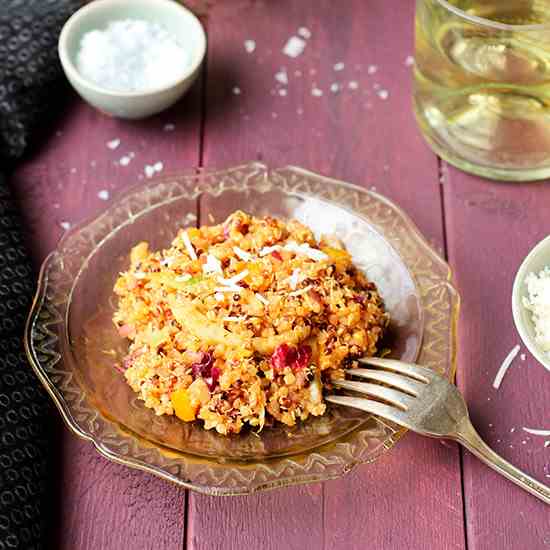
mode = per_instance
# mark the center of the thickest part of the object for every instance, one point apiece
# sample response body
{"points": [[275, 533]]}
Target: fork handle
{"points": [[468, 437]]}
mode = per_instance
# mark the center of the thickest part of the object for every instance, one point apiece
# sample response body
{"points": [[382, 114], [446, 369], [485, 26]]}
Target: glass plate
{"points": [[72, 344]]}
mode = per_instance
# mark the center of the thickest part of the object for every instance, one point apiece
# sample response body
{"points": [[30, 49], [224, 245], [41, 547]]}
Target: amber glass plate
{"points": [[72, 343]]}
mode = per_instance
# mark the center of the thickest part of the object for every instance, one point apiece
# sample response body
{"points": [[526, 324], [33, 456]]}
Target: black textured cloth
{"points": [[30, 81], [23, 448], [30, 73]]}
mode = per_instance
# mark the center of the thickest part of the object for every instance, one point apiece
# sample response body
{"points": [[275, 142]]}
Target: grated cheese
{"points": [[242, 254], [212, 265], [306, 250], [264, 301], [234, 288], [544, 433], [234, 318], [301, 291], [232, 281], [269, 249], [183, 278], [293, 279], [538, 303], [504, 367], [189, 245]]}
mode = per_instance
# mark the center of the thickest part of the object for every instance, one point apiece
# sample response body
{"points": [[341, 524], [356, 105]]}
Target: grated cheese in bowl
{"points": [[538, 303]]}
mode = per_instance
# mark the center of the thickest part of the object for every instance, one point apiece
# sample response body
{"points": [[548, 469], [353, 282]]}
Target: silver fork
{"points": [[423, 401]]}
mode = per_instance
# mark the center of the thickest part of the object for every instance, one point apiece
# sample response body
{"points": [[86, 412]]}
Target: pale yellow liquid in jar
{"points": [[482, 94]]}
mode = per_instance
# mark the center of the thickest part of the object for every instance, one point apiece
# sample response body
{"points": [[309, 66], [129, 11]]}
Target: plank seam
{"points": [[441, 182]]}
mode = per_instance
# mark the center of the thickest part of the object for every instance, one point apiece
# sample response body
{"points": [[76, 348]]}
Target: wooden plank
{"points": [[491, 227], [100, 504], [355, 134]]}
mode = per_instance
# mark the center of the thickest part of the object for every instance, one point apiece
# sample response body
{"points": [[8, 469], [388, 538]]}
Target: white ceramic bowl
{"points": [[535, 261], [171, 15]]}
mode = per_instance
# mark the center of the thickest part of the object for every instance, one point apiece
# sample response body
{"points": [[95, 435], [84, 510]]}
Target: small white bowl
{"points": [[535, 262], [96, 15]]}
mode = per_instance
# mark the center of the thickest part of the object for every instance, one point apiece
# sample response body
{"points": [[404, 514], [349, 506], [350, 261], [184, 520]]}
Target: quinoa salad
{"points": [[244, 323]]}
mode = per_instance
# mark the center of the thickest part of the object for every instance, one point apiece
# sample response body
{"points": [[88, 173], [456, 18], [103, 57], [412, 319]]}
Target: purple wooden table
{"points": [[359, 127]]}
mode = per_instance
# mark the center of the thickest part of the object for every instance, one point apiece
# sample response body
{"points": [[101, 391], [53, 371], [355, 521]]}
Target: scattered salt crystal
{"points": [[125, 160], [282, 76], [304, 32], [353, 85], [299, 111], [56, 205], [131, 55], [339, 66], [316, 92], [113, 144], [512, 430], [236, 90], [383, 94], [169, 127], [522, 356], [372, 69], [505, 366], [73, 170], [283, 92], [93, 163], [294, 46], [274, 115], [409, 61], [335, 87], [103, 195], [312, 72], [249, 46], [298, 73], [65, 225], [150, 169]]}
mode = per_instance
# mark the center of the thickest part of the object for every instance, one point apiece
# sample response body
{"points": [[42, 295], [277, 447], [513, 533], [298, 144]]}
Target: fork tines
{"points": [[397, 385], [414, 371]]}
